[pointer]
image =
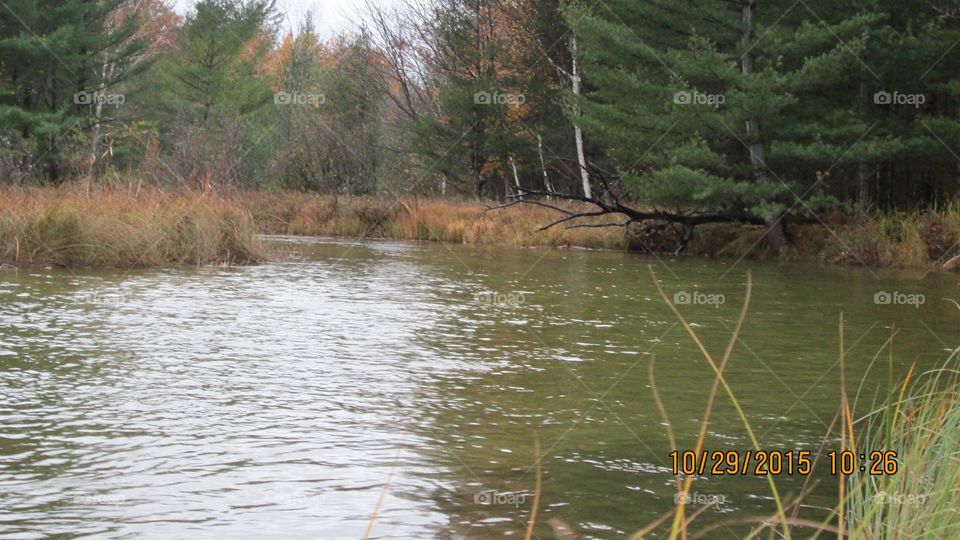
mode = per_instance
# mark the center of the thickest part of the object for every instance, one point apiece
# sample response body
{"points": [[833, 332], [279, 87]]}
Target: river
{"points": [[285, 400]]}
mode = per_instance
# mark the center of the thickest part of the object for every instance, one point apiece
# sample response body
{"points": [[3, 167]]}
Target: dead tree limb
{"points": [[657, 219]]}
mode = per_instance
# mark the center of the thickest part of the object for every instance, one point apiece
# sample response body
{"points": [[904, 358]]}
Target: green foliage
{"points": [[670, 91], [332, 130], [52, 55], [496, 91], [212, 107]]}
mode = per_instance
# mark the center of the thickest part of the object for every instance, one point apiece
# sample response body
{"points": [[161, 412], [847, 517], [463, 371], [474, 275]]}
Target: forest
{"points": [[749, 111]]}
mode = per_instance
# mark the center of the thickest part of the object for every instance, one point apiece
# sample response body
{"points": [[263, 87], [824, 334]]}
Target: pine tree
{"points": [[707, 106], [50, 52], [912, 95], [215, 110]]}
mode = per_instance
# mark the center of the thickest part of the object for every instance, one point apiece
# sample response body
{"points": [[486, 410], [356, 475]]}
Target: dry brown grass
{"points": [[900, 240], [78, 227], [460, 222], [85, 225]]}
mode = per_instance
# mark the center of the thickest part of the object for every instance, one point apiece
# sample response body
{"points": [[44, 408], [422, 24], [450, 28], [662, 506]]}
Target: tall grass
{"points": [[76, 228], [680, 523], [451, 221], [922, 424], [918, 239], [90, 225]]}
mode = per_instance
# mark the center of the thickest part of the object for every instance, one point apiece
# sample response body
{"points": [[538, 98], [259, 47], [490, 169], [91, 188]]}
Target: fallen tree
{"points": [[650, 222]]}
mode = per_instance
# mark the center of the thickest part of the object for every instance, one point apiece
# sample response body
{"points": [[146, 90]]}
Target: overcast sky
{"points": [[329, 16]]}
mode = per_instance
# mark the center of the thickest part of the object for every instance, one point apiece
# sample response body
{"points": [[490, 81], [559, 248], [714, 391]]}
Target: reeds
{"points": [[457, 222], [680, 523], [921, 423], [116, 226], [902, 240], [74, 228], [919, 239]]}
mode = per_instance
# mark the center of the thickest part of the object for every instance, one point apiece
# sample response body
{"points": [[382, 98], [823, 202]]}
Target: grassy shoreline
{"points": [[72, 228], [134, 227], [916, 240]]}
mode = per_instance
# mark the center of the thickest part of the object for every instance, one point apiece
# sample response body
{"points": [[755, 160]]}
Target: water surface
{"points": [[279, 400]]}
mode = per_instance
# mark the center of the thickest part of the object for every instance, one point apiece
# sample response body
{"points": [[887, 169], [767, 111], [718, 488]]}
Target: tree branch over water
{"points": [[609, 204]]}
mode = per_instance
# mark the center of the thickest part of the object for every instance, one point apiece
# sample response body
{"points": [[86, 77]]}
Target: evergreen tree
{"points": [[705, 105], [214, 107], [51, 53], [911, 93]]}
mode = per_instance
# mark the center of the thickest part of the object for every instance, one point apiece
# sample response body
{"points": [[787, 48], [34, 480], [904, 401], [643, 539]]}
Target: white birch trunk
{"points": [[516, 178], [577, 132], [543, 165], [97, 116]]}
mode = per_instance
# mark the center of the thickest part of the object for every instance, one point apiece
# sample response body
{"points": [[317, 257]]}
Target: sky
{"points": [[330, 17]]}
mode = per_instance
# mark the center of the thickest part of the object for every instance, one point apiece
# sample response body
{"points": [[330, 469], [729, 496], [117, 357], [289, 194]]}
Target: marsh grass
{"points": [[921, 422], [117, 225], [77, 228], [917, 239], [920, 239], [451, 221]]}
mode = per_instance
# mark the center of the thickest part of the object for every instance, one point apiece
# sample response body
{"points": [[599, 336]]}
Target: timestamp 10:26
{"points": [[877, 463]]}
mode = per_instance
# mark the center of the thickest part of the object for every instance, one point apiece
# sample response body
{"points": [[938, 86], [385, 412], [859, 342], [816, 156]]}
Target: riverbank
{"points": [[130, 227], [73, 228], [919, 240]]}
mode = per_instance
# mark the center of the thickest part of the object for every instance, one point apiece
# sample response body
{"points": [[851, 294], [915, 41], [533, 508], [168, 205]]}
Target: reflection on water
{"points": [[278, 400]]}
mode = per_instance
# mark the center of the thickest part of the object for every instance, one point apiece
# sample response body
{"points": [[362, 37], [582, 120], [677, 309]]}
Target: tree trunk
{"points": [[105, 77], [516, 178], [543, 166], [776, 231], [577, 132], [776, 234]]}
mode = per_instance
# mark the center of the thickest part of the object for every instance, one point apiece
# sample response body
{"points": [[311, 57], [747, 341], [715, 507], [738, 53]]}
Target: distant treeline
{"points": [[745, 107]]}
